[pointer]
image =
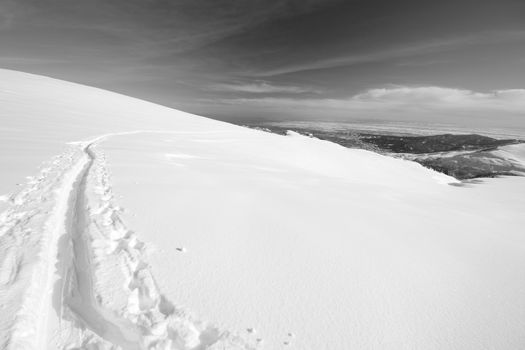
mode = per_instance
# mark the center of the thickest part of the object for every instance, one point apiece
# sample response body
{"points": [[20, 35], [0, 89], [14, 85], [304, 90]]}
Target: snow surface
{"points": [[158, 229], [514, 153]]}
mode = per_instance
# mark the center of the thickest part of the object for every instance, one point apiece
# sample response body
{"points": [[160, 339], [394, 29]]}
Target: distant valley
{"points": [[463, 156]]}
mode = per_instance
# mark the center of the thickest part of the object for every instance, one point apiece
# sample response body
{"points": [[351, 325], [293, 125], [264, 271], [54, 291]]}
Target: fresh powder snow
{"points": [[128, 225]]}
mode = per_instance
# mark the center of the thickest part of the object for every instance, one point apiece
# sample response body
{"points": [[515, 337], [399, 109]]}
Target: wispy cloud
{"points": [[262, 87], [411, 50]]}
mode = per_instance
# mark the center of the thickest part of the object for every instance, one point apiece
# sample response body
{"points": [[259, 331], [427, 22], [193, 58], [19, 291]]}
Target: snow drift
{"points": [[150, 228]]}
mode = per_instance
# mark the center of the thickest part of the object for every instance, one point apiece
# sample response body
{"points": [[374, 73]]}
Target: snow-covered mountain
{"points": [[149, 228]]}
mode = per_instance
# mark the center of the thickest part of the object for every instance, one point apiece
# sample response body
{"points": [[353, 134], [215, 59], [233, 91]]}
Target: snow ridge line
{"points": [[108, 298]]}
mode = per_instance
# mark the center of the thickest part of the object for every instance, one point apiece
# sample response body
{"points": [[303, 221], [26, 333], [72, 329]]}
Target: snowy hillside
{"points": [[143, 227]]}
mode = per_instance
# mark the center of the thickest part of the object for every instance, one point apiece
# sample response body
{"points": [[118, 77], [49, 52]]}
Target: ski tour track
{"points": [[73, 276]]}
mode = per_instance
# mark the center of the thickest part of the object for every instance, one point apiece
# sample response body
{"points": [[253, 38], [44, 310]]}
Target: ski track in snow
{"points": [[66, 255]]}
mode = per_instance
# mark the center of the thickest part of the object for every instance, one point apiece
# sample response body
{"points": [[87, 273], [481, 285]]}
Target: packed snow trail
{"points": [[64, 249], [81, 298], [29, 231]]}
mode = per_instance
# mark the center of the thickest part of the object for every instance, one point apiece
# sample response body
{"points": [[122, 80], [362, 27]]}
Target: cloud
{"points": [[440, 97], [431, 97], [262, 87], [411, 50], [402, 103]]}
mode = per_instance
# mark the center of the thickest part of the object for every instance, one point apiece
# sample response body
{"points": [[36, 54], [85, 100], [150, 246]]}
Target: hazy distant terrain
{"points": [[464, 156]]}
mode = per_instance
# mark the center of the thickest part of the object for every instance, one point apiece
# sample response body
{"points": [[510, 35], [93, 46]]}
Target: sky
{"points": [[442, 61]]}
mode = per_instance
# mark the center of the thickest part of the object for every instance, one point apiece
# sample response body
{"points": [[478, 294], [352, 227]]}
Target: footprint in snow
{"points": [[287, 342]]}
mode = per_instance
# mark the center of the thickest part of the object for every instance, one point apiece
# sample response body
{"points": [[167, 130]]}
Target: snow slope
{"points": [[155, 220]]}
